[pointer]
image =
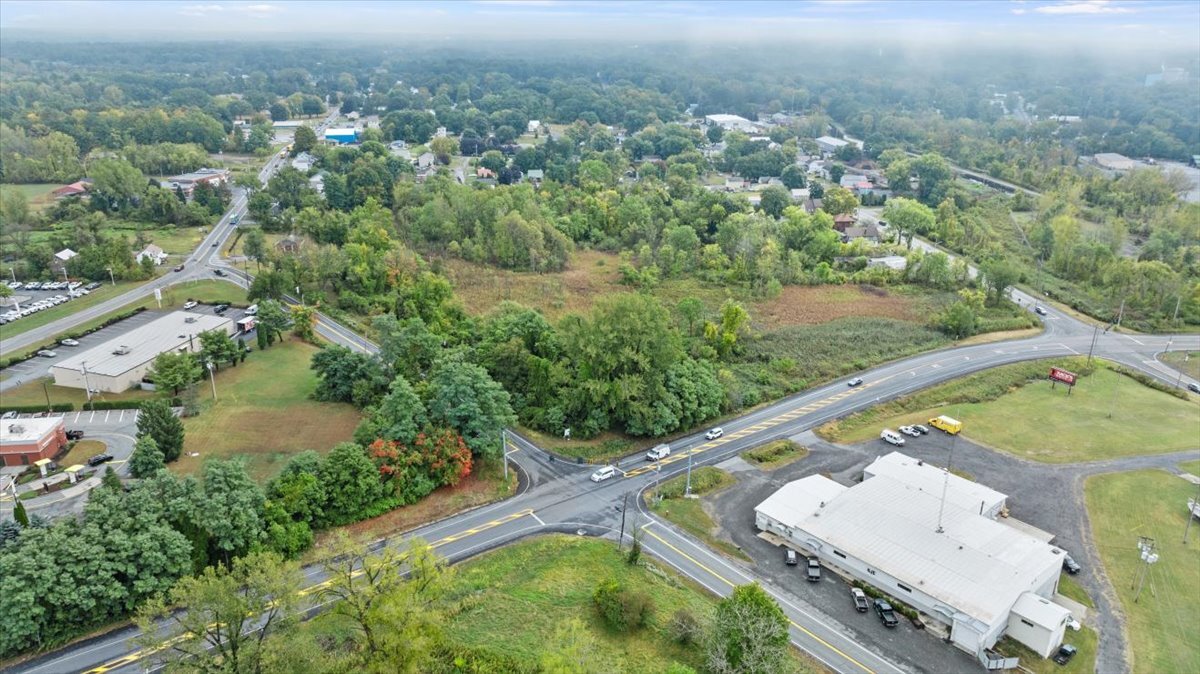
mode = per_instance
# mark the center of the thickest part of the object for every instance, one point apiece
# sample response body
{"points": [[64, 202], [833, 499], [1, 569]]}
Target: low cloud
{"points": [[1082, 7], [200, 10], [259, 10]]}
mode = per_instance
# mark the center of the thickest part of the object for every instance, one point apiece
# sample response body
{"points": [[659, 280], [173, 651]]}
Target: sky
{"points": [[1109, 24]]}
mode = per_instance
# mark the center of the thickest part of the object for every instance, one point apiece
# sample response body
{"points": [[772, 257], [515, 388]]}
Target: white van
{"points": [[659, 452], [252, 310], [892, 437], [604, 473]]}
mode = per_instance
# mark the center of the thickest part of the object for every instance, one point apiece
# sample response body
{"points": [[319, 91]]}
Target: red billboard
{"points": [[1059, 374]]}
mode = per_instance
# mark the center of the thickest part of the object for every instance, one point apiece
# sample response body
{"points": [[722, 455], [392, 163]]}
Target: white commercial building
{"points": [[948, 558], [732, 123], [829, 145], [120, 363]]}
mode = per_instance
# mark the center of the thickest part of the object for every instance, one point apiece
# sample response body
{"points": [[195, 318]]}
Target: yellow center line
{"points": [[731, 584]]}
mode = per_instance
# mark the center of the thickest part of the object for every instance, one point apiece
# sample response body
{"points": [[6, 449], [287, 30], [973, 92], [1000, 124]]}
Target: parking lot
{"points": [[35, 297], [39, 367]]}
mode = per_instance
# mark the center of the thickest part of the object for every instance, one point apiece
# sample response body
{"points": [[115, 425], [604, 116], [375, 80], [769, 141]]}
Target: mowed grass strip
{"points": [[1162, 624], [689, 513], [1037, 422], [264, 413], [35, 393], [1188, 361], [774, 454], [80, 452]]}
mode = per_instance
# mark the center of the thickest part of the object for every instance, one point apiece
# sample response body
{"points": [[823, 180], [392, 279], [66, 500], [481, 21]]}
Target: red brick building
{"points": [[23, 441]]}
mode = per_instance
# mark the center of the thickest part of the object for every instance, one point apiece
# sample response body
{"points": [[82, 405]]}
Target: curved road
{"points": [[558, 496]]}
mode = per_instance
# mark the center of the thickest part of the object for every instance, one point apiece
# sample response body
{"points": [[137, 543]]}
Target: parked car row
{"points": [[74, 289], [50, 285], [892, 437]]}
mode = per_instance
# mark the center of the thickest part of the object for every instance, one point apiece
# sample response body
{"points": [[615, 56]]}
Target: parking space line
{"points": [[106, 416]]}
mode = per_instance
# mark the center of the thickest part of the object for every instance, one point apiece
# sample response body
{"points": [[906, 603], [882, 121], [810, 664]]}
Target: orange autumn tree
{"points": [[435, 458]]}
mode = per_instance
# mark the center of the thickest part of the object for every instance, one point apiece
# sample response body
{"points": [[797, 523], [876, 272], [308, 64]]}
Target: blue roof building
{"points": [[341, 136]]}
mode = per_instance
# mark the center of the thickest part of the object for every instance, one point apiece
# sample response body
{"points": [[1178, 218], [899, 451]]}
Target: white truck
{"points": [[659, 452]]}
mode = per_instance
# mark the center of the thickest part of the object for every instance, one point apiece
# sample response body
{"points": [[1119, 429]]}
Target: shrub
{"points": [[57, 407], [685, 628], [622, 609], [704, 479]]}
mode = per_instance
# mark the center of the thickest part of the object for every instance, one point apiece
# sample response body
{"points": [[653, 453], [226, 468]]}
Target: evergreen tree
{"points": [[158, 421], [146, 459]]}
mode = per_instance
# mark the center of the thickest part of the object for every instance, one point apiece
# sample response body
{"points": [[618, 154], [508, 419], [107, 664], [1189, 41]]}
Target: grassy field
{"points": [[263, 412], [81, 452], [1162, 624], [1067, 587], [1143, 421], [689, 513], [35, 393], [542, 583], [774, 454], [65, 309], [1176, 359], [38, 194], [1192, 467]]}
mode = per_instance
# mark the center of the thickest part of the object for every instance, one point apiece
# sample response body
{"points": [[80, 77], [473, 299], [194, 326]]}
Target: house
{"points": [[894, 262], [78, 188], [426, 160], [799, 194], [303, 162], [440, 133], [59, 262], [533, 126], [317, 183], [120, 363], [342, 136], [734, 184], [731, 123], [820, 168], [828, 145], [868, 232], [152, 252], [813, 205], [855, 181], [934, 540], [535, 176], [1111, 161], [484, 172], [187, 182], [843, 220], [290, 244]]}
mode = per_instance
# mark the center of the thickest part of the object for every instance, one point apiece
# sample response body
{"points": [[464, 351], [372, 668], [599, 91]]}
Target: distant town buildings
{"points": [[1167, 76], [828, 145], [186, 182], [732, 123]]}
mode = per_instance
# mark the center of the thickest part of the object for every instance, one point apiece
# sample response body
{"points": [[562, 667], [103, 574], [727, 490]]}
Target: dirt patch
{"points": [[810, 305]]}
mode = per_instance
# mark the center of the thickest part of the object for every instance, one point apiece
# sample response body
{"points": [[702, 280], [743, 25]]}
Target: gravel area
{"points": [[1050, 497]]}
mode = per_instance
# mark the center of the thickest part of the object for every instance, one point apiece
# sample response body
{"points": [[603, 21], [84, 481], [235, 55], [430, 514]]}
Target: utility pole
{"points": [[1121, 312], [688, 489], [624, 507], [1147, 550], [504, 455], [1175, 317], [211, 378], [1192, 505], [86, 385], [946, 482], [111, 278], [1186, 357]]}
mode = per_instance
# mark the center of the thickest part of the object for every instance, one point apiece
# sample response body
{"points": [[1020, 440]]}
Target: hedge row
{"points": [[94, 405], [1147, 380], [60, 407], [68, 335]]}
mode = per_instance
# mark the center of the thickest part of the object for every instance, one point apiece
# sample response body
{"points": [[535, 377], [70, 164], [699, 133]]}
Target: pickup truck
{"points": [[814, 570], [659, 452], [860, 600], [886, 614]]}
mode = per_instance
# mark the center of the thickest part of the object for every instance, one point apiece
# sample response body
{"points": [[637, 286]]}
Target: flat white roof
{"points": [[145, 342], [830, 140], [1040, 610], [929, 478], [727, 119], [977, 565], [25, 431], [799, 499], [348, 131]]}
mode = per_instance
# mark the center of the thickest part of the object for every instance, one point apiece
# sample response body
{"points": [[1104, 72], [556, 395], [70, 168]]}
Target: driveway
{"points": [[1047, 496]]}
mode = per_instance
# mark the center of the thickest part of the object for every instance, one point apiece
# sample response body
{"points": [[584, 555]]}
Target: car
{"points": [[790, 557], [99, 459], [923, 430], [9, 415], [179, 267], [15, 285], [46, 353], [219, 272], [220, 308], [73, 285], [1070, 565], [91, 286], [74, 434], [68, 342], [604, 473], [1193, 387], [1040, 310], [216, 243], [658, 452], [190, 304], [891, 437], [813, 570], [714, 433], [860, 600], [252, 310], [233, 219], [910, 431], [857, 381], [1064, 654], [887, 615]]}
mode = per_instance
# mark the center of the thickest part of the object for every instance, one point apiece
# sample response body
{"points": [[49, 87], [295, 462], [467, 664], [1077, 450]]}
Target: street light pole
{"points": [[688, 490], [212, 379], [87, 385], [111, 278], [504, 455], [624, 507]]}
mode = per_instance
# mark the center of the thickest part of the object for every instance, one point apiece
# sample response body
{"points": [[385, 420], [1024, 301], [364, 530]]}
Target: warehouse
{"points": [[975, 575], [24, 441], [341, 136], [828, 145], [731, 123], [120, 363]]}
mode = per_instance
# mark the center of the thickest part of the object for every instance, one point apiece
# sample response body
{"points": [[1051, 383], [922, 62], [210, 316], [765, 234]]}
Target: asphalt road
{"points": [[559, 496]]}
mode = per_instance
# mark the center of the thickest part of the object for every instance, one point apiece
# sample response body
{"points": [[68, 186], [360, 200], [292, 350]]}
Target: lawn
{"points": [[1084, 661], [1162, 624], [1188, 361], [540, 584], [263, 412], [37, 194], [80, 452], [689, 513], [35, 393], [65, 309], [1192, 467], [1070, 589], [774, 454], [1035, 421]]}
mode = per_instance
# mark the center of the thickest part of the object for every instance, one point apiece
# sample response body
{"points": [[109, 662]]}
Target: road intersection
{"points": [[558, 496]]}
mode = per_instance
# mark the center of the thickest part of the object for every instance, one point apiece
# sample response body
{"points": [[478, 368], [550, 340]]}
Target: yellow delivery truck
{"points": [[951, 426]]}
